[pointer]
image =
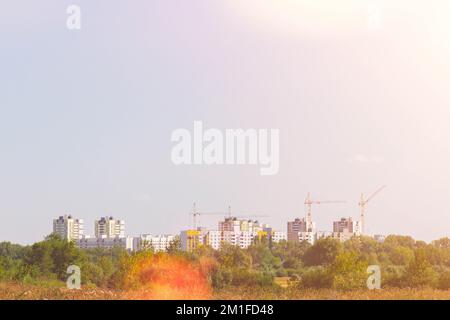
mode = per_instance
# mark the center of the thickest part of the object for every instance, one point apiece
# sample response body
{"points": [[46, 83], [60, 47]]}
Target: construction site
{"points": [[244, 229]]}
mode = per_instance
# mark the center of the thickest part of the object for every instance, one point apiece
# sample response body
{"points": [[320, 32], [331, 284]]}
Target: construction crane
{"points": [[195, 215], [245, 215], [309, 202], [362, 206]]}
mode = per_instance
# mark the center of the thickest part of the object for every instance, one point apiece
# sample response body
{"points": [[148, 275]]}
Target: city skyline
{"points": [[241, 231]]}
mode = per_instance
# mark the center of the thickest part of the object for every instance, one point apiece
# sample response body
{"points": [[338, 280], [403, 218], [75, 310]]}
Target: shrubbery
{"points": [[328, 263]]}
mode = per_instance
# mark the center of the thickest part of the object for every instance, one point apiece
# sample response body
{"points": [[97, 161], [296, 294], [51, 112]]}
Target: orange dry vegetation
{"points": [[328, 294], [167, 277], [19, 291]]}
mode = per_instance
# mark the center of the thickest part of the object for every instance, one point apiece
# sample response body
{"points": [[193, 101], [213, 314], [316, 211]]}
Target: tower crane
{"points": [[309, 202], [245, 215], [362, 206], [195, 215]]}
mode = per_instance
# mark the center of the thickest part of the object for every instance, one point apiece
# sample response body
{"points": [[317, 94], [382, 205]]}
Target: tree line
{"points": [[404, 262]]}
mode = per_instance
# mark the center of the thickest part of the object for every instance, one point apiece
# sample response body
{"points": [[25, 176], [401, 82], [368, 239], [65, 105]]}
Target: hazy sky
{"points": [[86, 116]]}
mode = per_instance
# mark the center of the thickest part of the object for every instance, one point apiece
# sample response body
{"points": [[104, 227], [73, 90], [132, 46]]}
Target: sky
{"points": [[358, 90]]}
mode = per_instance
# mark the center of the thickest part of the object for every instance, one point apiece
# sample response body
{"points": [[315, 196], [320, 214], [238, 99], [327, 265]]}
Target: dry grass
{"points": [[16, 291], [326, 294], [39, 292]]}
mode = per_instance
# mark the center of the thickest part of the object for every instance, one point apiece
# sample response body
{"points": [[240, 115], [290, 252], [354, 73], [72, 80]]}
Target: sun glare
{"points": [[306, 16]]}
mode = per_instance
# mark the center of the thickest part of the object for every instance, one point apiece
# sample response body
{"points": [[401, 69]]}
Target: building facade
{"points": [[346, 225], [108, 227], [192, 239], [301, 230], [232, 231], [159, 243], [277, 236], [237, 225], [68, 228], [106, 243]]}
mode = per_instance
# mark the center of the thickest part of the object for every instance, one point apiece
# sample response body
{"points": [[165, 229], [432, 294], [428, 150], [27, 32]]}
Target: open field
{"points": [[36, 292]]}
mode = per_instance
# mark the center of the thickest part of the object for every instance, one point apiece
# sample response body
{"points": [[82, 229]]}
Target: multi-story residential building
{"points": [[108, 227], [192, 239], [277, 236], [159, 243], [272, 235], [236, 225], [300, 226], [68, 228], [301, 236], [107, 243], [242, 239], [346, 225], [214, 239], [341, 236]]}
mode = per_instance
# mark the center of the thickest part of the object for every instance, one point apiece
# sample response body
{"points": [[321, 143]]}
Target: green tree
{"points": [[263, 259], [348, 271], [174, 246], [290, 253], [231, 256], [53, 255], [323, 252], [420, 272], [401, 256]]}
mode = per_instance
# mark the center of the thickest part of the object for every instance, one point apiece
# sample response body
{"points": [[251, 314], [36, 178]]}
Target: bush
{"points": [[420, 272], [444, 280], [393, 276], [348, 271], [323, 252], [316, 278]]}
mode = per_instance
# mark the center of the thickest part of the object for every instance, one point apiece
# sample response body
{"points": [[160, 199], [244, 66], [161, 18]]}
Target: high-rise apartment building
{"points": [[233, 231], [299, 225], [108, 227], [192, 239], [237, 225], [346, 225], [68, 228]]}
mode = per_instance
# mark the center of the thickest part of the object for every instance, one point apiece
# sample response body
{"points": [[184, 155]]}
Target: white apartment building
{"points": [[307, 236], [278, 236], [68, 228], [107, 243], [243, 239], [108, 227], [236, 225], [214, 239], [159, 243], [233, 231], [341, 236]]}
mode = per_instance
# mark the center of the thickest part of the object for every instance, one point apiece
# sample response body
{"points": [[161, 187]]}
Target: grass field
{"points": [[39, 292]]}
